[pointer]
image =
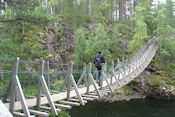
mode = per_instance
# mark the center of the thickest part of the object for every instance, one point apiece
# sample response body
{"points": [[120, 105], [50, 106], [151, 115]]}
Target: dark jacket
{"points": [[102, 59]]}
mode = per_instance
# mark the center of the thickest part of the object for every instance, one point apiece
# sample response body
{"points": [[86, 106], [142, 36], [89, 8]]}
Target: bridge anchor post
{"points": [[72, 82], [42, 84], [90, 78], [105, 77], [113, 74], [16, 87], [83, 75]]}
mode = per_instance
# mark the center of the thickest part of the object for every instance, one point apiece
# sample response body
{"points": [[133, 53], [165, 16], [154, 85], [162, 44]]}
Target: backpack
{"points": [[97, 62]]}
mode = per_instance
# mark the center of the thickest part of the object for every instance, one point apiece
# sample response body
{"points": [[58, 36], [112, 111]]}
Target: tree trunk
{"points": [[124, 9], [120, 10], [116, 9], [2, 11], [87, 6]]}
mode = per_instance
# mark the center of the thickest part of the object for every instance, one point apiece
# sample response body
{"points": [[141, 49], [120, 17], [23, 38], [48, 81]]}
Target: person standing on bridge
{"points": [[99, 59]]}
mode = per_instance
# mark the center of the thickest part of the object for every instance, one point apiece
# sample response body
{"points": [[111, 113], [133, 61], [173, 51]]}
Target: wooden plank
{"points": [[63, 106], [88, 98], [70, 103], [93, 93], [91, 96], [76, 100], [18, 114], [105, 91], [48, 108], [43, 114]]}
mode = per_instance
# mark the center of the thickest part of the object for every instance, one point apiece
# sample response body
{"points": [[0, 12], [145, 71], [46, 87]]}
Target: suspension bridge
{"points": [[28, 91]]}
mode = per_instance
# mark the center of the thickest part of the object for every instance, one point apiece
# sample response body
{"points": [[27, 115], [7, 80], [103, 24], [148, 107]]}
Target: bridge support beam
{"points": [[16, 87], [42, 84], [90, 78], [83, 75], [105, 77], [72, 82], [113, 74]]}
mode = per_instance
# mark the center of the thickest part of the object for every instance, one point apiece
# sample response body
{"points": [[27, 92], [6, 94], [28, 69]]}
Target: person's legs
{"points": [[99, 76]]}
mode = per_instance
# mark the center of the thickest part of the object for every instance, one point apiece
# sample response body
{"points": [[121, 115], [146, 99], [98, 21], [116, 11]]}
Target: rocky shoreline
{"points": [[123, 97], [162, 93]]}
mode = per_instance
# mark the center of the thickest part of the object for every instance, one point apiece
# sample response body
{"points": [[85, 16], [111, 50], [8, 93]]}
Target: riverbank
{"points": [[125, 96]]}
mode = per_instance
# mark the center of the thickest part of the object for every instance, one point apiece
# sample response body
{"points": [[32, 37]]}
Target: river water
{"points": [[133, 108]]}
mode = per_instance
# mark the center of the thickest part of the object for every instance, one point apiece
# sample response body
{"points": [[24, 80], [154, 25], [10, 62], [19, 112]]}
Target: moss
{"points": [[156, 80]]}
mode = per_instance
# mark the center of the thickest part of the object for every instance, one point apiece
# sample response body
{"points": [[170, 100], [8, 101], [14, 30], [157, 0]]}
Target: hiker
{"points": [[99, 59]]}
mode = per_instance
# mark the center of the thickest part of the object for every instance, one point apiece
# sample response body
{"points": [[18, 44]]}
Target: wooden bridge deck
{"points": [[55, 98]]}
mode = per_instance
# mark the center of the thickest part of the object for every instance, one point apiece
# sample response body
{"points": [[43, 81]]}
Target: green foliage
{"points": [[170, 82], [89, 42], [63, 113], [24, 45], [141, 15], [168, 50], [22, 36], [88, 47], [156, 80], [73, 14], [165, 21]]}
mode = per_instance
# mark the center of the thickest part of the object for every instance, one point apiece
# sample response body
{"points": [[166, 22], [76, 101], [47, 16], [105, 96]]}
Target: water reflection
{"points": [[134, 108]]}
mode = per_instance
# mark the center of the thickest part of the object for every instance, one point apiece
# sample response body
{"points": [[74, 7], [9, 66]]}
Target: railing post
{"points": [[90, 77], [48, 77], [42, 83], [70, 69], [118, 62], [83, 75], [113, 73], [15, 84], [123, 60], [112, 68], [72, 82], [38, 102], [105, 77], [2, 76]]}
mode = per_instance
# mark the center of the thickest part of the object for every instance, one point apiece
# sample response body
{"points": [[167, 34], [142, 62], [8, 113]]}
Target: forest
{"points": [[79, 28]]}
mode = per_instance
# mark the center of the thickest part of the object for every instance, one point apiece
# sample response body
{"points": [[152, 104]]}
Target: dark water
{"points": [[134, 108]]}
